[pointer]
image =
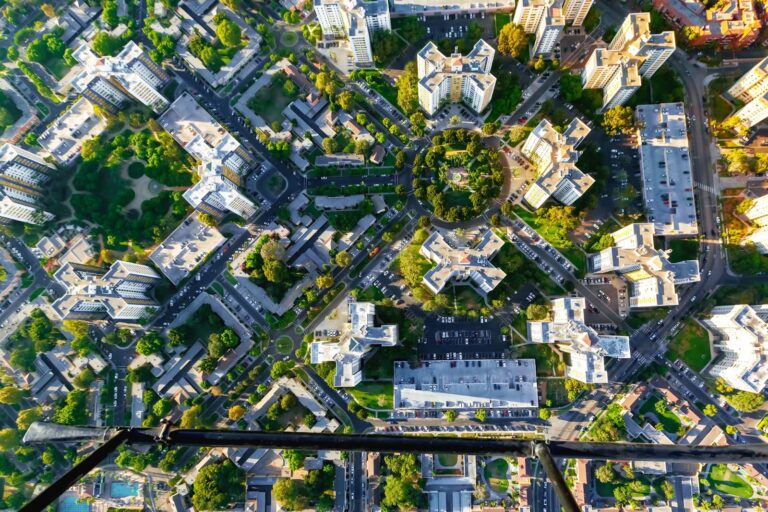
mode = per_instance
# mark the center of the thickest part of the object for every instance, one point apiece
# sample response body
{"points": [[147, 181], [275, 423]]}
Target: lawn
{"points": [[373, 395], [684, 249], [668, 420], [501, 19], [284, 345], [720, 108], [270, 101], [548, 363], [556, 392], [496, 474], [457, 198], [691, 345], [727, 482], [551, 235], [465, 299], [637, 319], [371, 294], [57, 67]]}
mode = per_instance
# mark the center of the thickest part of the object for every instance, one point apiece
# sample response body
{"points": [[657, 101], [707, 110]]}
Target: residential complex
{"points": [[554, 154], [758, 215], [468, 384], [546, 19], [111, 82], [742, 342], [729, 23], [457, 78], [92, 293], [665, 167], [348, 346], [651, 277], [224, 162], [752, 90], [634, 53], [23, 176], [463, 266], [587, 348], [353, 22]]}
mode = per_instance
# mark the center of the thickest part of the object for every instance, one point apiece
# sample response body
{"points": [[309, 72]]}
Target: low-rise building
{"points": [[65, 136], [665, 167], [120, 292], [554, 154], [651, 276], [457, 78], [742, 342], [224, 162], [348, 344], [466, 384], [463, 266], [587, 348], [730, 23]]}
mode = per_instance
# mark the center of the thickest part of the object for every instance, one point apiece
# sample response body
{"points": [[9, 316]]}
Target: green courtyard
{"points": [[668, 419], [373, 395], [691, 345], [270, 101], [728, 482], [495, 473]]}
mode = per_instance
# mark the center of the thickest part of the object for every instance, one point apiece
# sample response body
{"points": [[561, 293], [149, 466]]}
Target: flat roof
{"points": [[666, 169], [65, 136], [186, 248], [467, 384]]}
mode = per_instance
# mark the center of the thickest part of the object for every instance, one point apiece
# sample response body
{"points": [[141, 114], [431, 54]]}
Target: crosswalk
{"points": [[707, 188]]}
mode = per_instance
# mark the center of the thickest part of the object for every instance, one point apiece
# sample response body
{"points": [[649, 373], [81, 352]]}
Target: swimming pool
{"points": [[70, 504], [124, 489]]}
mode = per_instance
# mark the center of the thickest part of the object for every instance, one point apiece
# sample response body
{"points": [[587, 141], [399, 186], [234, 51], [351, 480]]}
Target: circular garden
{"points": [[458, 175]]}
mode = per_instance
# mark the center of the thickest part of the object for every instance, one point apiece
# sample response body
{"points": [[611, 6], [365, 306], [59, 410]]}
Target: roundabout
{"points": [[459, 175]]}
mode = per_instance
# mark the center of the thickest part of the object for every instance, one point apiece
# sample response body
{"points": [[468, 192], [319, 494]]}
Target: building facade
{"points": [[23, 176], [545, 18], [457, 78], [729, 23], [353, 22], [575, 11]]}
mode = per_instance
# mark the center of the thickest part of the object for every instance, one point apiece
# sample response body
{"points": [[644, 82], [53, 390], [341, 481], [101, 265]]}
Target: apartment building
{"points": [[729, 23], [651, 278], [111, 82], [587, 348], [224, 162], [92, 293], [554, 154], [347, 348], [575, 11], [634, 53], [742, 343], [353, 22], [758, 215], [463, 266], [752, 90], [457, 78], [545, 18], [23, 176]]}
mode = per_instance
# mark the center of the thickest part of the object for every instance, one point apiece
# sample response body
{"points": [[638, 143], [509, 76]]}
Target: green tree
{"points": [[710, 410], [619, 119], [76, 328], [150, 343], [745, 401], [104, 44], [11, 395], [275, 271], [346, 100], [218, 485], [289, 494], [407, 92], [536, 312], [294, 458], [449, 415], [162, 407], [605, 474], [229, 33], [667, 489], [545, 414], [343, 259], [481, 414], [191, 418], [512, 40], [28, 416], [324, 281], [570, 87]]}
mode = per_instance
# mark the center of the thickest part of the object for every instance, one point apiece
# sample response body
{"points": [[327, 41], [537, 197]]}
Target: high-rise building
{"points": [[456, 78], [587, 348], [753, 112], [94, 293], [576, 10], [111, 82], [22, 177], [752, 84], [634, 53], [354, 22], [224, 162], [555, 156], [545, 18]]}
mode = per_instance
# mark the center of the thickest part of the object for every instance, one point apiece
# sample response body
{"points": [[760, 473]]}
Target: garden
{"points": [[726, 481], [458, 175], [270, 101], [219, 53], [495, 473], [266, 268], [659, 409], [108, 178], [372, 394]]}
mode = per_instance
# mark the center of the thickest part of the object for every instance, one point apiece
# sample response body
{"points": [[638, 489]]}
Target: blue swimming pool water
{"points": [[124, 489], [70, 504]]}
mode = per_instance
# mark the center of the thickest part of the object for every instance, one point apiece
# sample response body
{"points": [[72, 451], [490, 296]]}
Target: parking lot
{"points": [[612, 290], [455, 26], [452, 338]]}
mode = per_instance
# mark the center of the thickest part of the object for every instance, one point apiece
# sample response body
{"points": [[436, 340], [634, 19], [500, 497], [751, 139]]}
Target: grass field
{"points": [[373, 395], [270, 101], [727, 482], [548, 363], [684, 249], [496, 474], [284, 345], [501, 19], [691, 345], [668, 420]]}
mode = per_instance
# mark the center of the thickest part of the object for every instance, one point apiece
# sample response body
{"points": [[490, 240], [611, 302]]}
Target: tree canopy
{"points": [[512, 40], [218, 485], [619, 119]]}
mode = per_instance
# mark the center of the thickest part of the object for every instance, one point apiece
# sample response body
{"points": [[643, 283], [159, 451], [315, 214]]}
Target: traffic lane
{"points": [[244, 303], [357, 424], [362, 179]]}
